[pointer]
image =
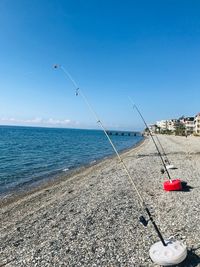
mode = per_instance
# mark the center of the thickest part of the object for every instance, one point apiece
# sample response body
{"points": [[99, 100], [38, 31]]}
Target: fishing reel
{"points": [[143, 221], [162, 171]]}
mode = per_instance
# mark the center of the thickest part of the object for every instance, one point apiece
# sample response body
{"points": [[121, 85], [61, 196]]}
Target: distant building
{"points": [[162, 124], [181, 126], [189, 125], [197, 124], [167, 125], [172, 124]]}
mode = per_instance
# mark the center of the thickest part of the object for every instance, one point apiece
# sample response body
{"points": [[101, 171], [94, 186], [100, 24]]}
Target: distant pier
{"points": [[123, 133]]}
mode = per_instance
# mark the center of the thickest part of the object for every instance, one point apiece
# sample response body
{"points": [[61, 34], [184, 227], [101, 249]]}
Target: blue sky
{"points": [[148, 50]]}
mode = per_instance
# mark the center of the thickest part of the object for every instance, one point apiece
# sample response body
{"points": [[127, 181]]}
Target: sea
{"points": [[32, 155]]}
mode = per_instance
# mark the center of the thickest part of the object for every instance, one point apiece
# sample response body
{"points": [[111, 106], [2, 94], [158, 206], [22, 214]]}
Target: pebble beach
{"points": [[90, 217]]}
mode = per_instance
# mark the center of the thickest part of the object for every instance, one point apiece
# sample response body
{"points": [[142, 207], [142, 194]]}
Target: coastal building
{"points": [[189, 125], [181, 126], [167, 125], [172, 124], [162, 124], [197, 124]]}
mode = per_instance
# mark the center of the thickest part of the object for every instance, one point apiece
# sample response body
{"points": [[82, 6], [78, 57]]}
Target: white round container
{"points": [[174, 253]]}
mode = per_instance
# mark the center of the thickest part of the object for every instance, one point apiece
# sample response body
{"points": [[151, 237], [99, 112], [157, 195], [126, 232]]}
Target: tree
{"points": [[180, 129]]}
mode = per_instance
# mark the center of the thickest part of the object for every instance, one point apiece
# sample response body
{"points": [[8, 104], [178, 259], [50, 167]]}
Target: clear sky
{"points": [[148, 50]]}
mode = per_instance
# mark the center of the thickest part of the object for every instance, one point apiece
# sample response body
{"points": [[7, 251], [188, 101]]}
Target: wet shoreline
{"points": [[34, 186]]}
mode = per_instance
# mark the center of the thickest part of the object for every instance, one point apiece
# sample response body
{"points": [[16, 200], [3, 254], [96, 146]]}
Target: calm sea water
{"points": [[29, 155]]}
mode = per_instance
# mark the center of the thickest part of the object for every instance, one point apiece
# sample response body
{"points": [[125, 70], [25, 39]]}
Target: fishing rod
{"points": [[147, 127], [142, 202], [175, 251]]}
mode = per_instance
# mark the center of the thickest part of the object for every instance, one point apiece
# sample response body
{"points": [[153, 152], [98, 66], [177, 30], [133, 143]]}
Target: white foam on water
{"points": [[65, 170], [93, 161]]}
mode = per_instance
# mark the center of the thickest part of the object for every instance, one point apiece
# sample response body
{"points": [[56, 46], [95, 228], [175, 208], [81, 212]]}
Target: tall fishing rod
{"points": [[142, 202], [147, 127]]}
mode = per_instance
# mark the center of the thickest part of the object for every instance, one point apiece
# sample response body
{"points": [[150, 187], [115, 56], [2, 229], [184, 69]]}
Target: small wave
{"points": [[65, 170], [93, 161]]}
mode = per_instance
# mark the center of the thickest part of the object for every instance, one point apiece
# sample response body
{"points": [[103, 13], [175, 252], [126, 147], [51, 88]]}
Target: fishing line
{"points": [[142, 202], [166, 158], [147, 127]]}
